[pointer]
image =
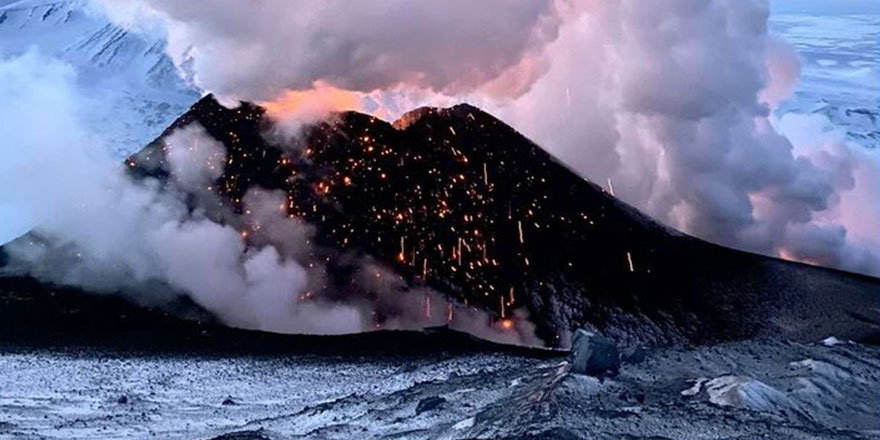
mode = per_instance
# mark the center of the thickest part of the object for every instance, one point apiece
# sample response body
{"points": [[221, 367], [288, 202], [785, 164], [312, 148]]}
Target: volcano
{"points": [[455, 200]]}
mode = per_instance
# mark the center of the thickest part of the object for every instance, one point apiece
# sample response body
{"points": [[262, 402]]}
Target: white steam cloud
{"points": [[195, 158], [671, 101], [100, 230]]}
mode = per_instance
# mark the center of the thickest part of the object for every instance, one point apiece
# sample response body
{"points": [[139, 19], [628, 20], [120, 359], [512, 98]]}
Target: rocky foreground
{"points": [[755, 389], [98, 368]]}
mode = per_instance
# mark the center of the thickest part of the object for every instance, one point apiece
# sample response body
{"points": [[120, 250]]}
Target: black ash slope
{"points": [[34, 316], [459, 201]]}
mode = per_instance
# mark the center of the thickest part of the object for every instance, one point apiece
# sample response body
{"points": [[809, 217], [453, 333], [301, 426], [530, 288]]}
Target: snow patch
{"points": [[831, 341], [464, 424], [694, 390], [746, 392]]}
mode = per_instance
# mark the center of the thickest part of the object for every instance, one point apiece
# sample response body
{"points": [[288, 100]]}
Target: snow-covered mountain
{"points": [[135, 85], [841, 70]]}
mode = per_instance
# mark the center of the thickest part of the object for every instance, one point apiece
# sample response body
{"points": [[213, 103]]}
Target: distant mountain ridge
{"points": [[135, 85]]}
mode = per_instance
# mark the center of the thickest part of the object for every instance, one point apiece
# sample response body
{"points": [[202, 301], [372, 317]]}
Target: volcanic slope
{"points": [[456, 200]]}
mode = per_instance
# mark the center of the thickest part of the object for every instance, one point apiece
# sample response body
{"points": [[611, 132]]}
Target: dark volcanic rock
{"points": [[635, 355], [36, 316], [593, 354], [258, 434], [492, 220], [429, 403], [550, 434]]}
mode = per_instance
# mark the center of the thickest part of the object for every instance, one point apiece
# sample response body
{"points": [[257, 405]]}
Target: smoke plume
{"points": [[256, 50], [672, 103]]}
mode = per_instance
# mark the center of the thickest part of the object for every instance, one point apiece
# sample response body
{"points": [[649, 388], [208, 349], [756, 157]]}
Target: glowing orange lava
{"points": [[314, 103]]}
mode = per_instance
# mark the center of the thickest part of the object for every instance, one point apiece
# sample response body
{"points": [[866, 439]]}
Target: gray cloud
{"points": [[671, 101], [255, 50]]}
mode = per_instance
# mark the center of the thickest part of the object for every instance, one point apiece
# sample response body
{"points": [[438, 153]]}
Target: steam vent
{"points": [[457, 201]]}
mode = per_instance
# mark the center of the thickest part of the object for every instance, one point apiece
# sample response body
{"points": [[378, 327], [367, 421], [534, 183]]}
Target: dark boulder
{"points": [[258, 434], [429, 403], [593, 354]]}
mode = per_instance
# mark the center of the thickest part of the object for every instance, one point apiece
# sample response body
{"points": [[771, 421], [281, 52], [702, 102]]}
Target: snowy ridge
{"points": [[69, 30], [841, 71], [135, 86]]}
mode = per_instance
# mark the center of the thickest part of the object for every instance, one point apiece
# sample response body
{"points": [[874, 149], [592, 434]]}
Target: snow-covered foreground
{"points": [[749, 389], [92, 396]]}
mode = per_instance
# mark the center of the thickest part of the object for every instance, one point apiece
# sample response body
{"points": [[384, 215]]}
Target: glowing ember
{"points": [[431, 190], [402, 255]]}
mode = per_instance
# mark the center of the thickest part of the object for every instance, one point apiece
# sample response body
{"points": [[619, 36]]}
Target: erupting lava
{"points": [[308, 105], [313, 105]]}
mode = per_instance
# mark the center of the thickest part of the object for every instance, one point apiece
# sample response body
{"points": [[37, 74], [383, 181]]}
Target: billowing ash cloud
{"points": [[671, 102], [255, 50], [99, 229]]}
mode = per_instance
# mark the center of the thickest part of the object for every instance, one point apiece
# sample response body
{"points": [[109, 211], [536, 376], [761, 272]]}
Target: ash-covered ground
{"points": [[752, 389]]}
